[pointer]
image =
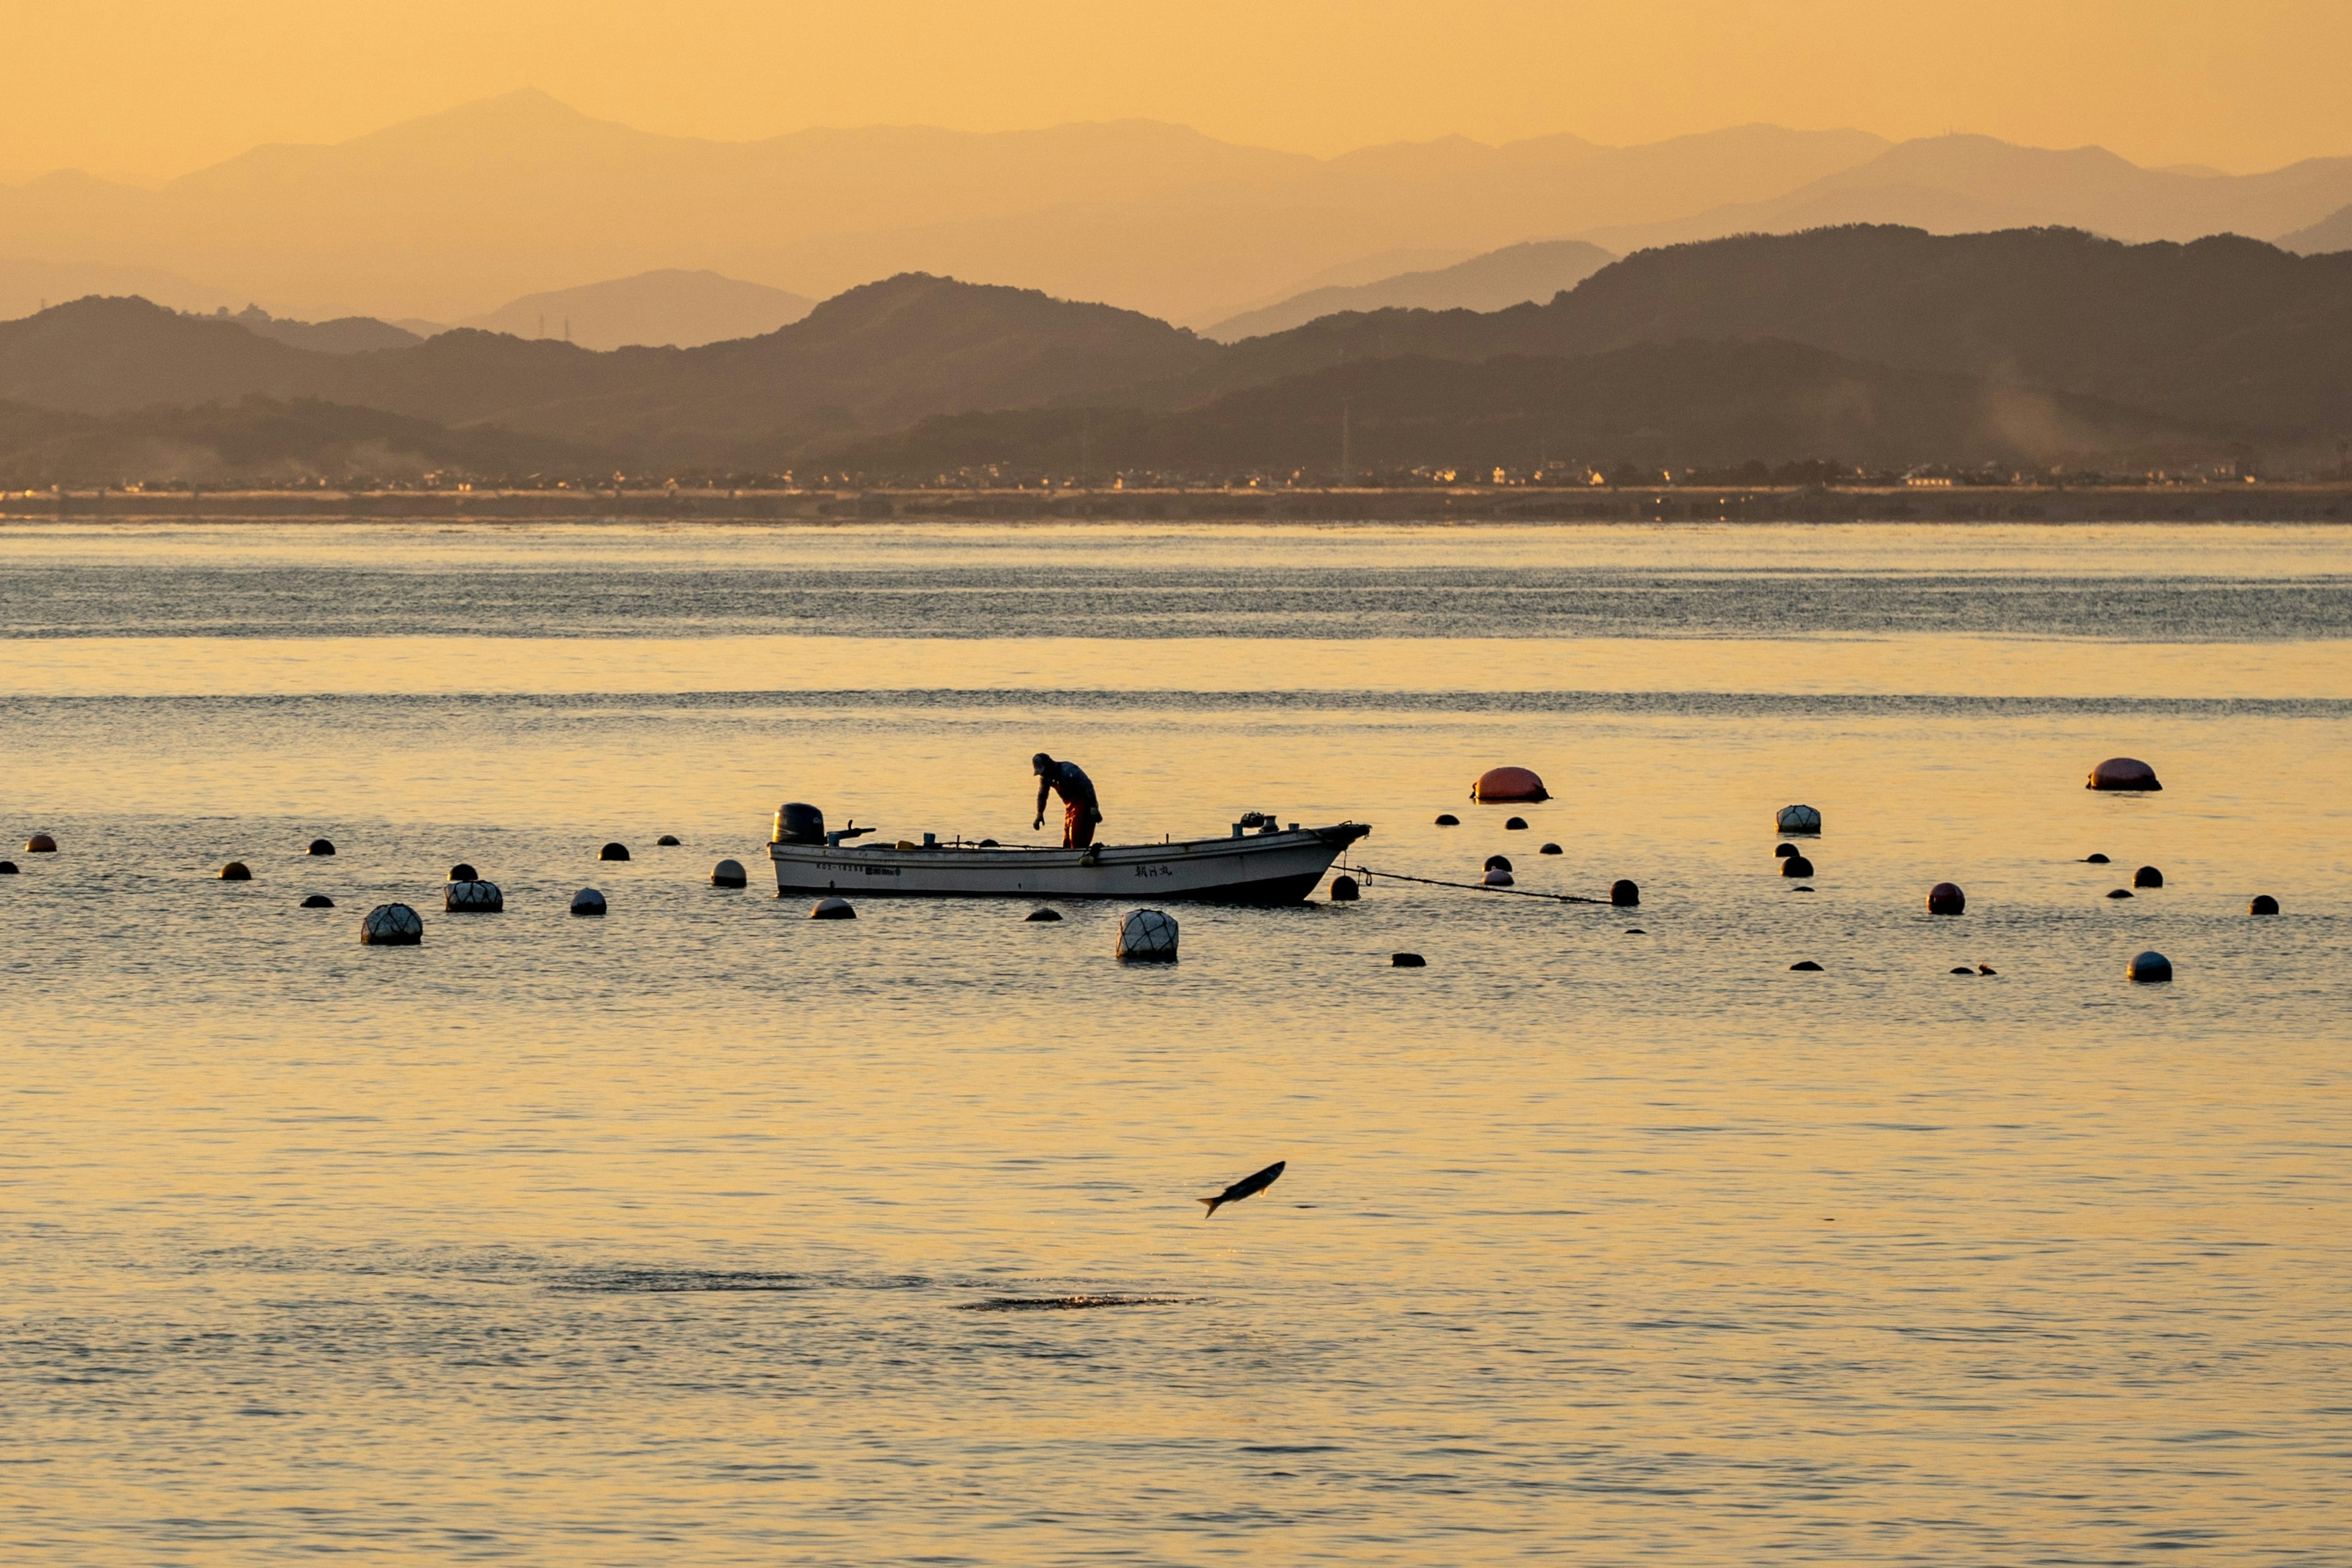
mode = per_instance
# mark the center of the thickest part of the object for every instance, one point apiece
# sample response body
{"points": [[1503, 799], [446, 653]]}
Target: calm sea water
{"points": [[705, 1233]]}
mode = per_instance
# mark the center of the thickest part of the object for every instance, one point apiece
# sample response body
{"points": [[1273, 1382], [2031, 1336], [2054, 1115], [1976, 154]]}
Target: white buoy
{"points": [[729, 874], [587, 901], [392, 925], [472, 898], [1497, 878], [1798, 819], [1148, 936]]}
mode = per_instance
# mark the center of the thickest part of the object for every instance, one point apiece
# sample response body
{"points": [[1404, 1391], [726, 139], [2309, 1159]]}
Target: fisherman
{"points": [[1081, 810]]}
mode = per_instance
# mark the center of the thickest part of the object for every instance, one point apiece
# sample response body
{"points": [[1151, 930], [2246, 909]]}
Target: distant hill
{"points": [[1533, 271], [664, 309], [2224, 331], [875, 359], [344, 335], [27, 286], [441, 217], [2329, 234], [256, 441], [1684, 402], [1951, 184], [2137, 346]]}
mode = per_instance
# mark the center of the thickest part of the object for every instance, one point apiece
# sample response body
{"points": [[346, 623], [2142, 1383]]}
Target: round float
{"points": [[392, 925], [2123, 773], [1497, 784], [1797, 819], [1147, 936], [472, 898]]}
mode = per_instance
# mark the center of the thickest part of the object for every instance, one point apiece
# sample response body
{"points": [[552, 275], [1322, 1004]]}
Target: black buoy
{"points": [[1946, 899], [40, 843], [7, 868], [988, 844], [1045, 914], [1636, 931], [666, 841], [2150, 966], [613, 852], [1801, 890], [2123, 773], [463, 871], [1796, 865], [1497, 863], [2147, 876], [1784, 851], [1549, 850], [473, 898], [317, 901], [2263, 903], [322, 847], [832, 909], [392, 925], [1344, 890], [1626, 894], [2119, 893], [1516, 824], [1447, 820], [1804, 966], [1407, 960], [2094, 860], [588, 901], [236, 871], [1964, 969], [730, 874]]}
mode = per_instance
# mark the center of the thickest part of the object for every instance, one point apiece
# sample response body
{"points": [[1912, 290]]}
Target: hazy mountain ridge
{"points": [[436, 217], [2222, 331], [1516, 274], [1957, 184], [2033, 340], [668, 308]]}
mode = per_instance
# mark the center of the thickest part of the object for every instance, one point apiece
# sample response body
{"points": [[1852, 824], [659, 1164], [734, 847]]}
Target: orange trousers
{"points": [[1077, 826]]}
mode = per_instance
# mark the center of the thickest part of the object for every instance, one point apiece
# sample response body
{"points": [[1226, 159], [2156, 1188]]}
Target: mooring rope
{"points": [[1471, 887]]}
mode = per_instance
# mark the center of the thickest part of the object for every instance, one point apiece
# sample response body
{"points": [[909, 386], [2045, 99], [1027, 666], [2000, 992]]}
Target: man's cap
{"points": [[1040, 762]]}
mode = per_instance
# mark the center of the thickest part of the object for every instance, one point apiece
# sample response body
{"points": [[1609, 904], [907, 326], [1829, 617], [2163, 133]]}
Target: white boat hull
{"points": [[1280, 867]]}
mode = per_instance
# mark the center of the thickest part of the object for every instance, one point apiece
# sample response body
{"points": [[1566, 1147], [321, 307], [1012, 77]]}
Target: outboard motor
{"points": [[799, 823]]}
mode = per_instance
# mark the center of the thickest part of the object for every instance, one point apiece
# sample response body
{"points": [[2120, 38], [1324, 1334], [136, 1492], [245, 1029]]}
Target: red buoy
{"points": [[1508, 783]]}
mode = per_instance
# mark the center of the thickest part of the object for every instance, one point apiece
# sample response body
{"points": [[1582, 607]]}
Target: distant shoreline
{"points": [[2218, 502]]}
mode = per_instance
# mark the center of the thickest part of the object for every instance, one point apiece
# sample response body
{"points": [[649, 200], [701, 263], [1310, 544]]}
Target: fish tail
{"points": [[1213, 1204]]}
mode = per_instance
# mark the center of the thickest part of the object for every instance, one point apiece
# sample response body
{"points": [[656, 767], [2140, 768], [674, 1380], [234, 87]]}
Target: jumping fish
{"points": [[1248, 1186]]}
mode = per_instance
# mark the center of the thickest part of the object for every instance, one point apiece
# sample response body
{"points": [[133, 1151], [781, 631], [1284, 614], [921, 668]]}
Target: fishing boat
{"points": [[1257, 861]]}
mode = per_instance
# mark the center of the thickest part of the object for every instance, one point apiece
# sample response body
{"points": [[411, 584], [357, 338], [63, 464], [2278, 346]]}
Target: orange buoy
{"points": [[1497, 784]]}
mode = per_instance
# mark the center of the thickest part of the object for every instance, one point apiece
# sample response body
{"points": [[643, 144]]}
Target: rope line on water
{"points": [[1471, 887]]}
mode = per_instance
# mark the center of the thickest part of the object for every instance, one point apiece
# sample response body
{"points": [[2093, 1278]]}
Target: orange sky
{"points": [[149, 89]]}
